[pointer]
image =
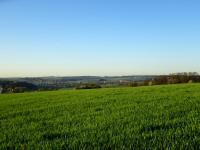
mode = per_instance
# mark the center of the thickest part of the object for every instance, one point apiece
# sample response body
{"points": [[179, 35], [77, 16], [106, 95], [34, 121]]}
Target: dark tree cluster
{"points": [[17, 87]]}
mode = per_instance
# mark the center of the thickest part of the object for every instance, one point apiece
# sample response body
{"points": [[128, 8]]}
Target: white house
{"points": [[1, 89]]}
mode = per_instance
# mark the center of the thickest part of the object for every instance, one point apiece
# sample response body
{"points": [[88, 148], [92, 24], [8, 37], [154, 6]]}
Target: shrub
{"points": [[190, 81], [88, 86]]}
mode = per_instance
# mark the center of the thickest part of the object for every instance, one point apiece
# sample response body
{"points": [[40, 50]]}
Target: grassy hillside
{"points": [[143, 117]]}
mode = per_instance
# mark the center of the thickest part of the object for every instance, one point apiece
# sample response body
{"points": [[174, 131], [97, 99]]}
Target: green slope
{"points": [[122, 118]]}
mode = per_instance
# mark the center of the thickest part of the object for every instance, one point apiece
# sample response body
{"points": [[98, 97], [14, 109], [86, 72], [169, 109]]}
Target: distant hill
{"points": [[78, 79]]}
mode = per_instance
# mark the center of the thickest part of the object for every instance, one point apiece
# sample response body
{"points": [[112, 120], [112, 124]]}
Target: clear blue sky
{"points": [[98, 37]]}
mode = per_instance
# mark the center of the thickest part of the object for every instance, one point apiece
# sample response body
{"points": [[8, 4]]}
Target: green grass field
{"points": [[123, 118]]}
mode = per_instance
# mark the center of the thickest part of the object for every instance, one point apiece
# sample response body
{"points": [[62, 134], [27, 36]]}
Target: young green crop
{"points": [[122, 118]]}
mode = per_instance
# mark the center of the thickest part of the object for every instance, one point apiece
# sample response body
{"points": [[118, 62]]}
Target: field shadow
{"points": [[54, 136], [156, 127]]}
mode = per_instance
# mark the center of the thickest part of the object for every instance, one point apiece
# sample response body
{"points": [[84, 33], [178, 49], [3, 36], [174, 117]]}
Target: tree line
{"points": [[170, 79]]}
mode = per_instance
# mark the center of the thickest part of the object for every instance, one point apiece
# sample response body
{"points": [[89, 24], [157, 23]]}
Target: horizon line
{"points": [[59, 76]]}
